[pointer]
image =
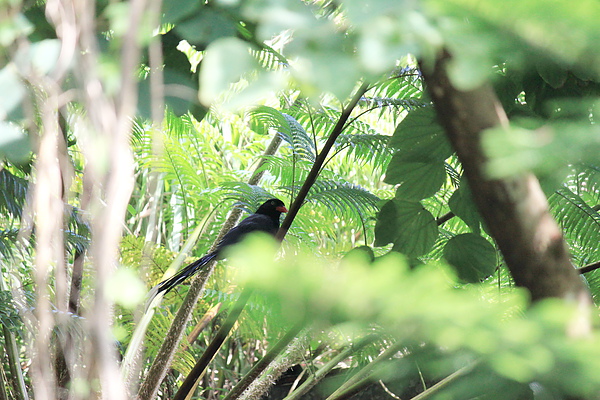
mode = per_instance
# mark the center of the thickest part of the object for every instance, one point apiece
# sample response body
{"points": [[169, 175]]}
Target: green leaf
{"points": [[226, 60], [408, 225], [462, 205], [420, 137], [386, 227], [417, 180], [14, 144], [473, 256], [551, 73], [210, 24], [176, 10], [10, 83]]}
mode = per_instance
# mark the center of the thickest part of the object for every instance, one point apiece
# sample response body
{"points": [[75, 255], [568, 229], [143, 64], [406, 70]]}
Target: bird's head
{"points": [[271, 207]]}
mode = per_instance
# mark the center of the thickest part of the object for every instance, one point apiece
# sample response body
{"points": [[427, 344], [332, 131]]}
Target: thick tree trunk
{"points": [[514, 209]]}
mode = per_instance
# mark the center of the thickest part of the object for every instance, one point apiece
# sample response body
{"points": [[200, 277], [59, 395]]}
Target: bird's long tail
{"points": [[165, 286]]}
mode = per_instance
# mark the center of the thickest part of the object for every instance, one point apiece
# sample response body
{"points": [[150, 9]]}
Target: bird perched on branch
{"points": [[265, 219]]}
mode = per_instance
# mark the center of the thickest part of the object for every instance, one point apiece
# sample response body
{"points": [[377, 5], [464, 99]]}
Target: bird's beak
{"points": [[281, 209]]}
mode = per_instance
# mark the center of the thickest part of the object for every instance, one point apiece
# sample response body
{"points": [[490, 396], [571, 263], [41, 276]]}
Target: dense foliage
{"points": [[132, 133]]}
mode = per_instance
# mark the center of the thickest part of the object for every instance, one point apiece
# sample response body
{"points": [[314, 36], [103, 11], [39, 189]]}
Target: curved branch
{"points": [[319, 161], [515, 209]]}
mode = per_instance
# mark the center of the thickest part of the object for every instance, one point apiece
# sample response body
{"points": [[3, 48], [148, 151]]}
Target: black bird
{"points": [[265, 219]]}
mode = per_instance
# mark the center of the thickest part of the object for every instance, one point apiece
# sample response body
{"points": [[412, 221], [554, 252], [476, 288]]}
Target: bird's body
{"points": [[265, 219]]}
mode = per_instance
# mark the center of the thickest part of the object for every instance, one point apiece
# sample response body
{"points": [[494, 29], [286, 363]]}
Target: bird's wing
{"points": [[254, 223]]}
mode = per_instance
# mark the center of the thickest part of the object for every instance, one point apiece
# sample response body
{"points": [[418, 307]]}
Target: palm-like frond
{"points": [[13, 192], [579, 221], [8, 238], [300, 142], [367, 148], [344, 199]]}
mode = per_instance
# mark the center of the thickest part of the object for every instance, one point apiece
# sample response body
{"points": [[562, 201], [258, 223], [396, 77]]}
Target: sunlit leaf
{"points": [[409, 226], [473, 256], [226, 60], [419, 137], [417, 180]]}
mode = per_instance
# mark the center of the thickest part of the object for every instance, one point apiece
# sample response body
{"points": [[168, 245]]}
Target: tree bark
{"points": [[514, 209]]}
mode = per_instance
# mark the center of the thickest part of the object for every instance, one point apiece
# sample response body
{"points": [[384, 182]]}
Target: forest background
{"points": [[439, 160]]}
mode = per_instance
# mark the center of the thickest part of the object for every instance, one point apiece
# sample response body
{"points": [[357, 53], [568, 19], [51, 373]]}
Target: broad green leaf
{"points": [[226, 60], [419, 137], [417, 230], [14, 144], [176, 10], [473, 256], [551, 73], [10, 83], [208, 25], [417, 180], [406, 224], [386, 227], [462, 205]]}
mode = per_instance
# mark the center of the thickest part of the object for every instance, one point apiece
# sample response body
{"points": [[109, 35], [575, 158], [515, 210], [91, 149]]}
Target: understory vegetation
{"points": [[439, 160]]}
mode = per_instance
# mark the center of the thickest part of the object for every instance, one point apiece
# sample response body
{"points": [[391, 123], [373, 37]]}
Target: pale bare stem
{"points": [[292, 356], [48, 209], [110, 163]]}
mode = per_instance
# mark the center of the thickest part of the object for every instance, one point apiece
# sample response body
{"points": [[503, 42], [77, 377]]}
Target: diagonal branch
{"points": [[515, 209], [319, 161]]}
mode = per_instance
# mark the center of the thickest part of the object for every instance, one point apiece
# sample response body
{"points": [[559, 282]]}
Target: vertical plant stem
{"points": [[364, 375], [14, 364], [191, 381], [48, 208], [320, 161], [313, 379], [264, 362], [428, 393]]}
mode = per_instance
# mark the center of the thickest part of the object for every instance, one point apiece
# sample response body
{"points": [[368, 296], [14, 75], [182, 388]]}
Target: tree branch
{"points": [[589, 268], [515, 209], [319, 161]]}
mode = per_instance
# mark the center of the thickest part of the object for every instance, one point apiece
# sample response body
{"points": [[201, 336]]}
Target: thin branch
{"points": [[589, 268], [264, 362], [319, 161], [444, 382], [322, 372], [363, 377], [191, 381]]}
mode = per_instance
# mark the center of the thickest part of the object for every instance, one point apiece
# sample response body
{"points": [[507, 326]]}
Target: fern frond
{"points": [[264, 118], [367, 147], [286, 170], [407, 104], [342, 198], [13, 192], [247, 197], [579, 221], [300, 142], [8, 238]]}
